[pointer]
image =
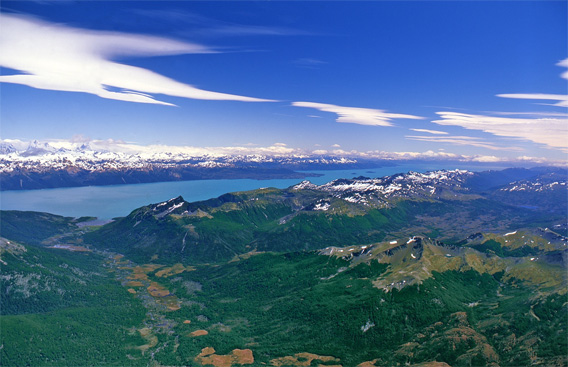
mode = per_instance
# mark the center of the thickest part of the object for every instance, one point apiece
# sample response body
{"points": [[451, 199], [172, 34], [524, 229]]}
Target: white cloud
{"points": [[532, 114], [57, 57], [564, 63], [336, 146], [552, 132], [460, 140], [435, 132], [561, 98], [356, 115]]}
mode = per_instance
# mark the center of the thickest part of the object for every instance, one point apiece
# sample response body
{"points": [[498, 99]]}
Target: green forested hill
{"points": [[63, 308], [354, 273], [445, 204]]}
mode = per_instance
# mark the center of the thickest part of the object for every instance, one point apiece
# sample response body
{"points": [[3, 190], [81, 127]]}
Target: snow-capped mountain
{"points": [[39, 165], [370, 191], [7, 148], [538, 185], [44, 155]]}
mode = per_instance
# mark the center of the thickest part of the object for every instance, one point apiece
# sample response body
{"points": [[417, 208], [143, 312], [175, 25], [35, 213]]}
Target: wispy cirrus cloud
{"points": [[309, 63], [461, 140], [562, 99], [552, 132], [531, 114], [211, 27], [435, 132], [357, 115], [56, 57]]}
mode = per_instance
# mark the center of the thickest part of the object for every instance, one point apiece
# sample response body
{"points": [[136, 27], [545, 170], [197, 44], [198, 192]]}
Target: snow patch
{"points": [[322, 206], [367, 326]]}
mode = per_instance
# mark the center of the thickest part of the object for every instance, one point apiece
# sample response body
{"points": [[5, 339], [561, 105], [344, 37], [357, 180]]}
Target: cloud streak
{"points": [[461, 140], [357, 115], [435, 132], [211, 27], [552, 132], [56, 57], [561, 98]]}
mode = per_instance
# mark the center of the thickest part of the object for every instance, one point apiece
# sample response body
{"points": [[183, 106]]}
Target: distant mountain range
{"points": [[42, 165]]}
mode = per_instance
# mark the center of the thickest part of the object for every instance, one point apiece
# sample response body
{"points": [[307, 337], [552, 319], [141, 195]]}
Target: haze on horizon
{"points": [[438, 79]]}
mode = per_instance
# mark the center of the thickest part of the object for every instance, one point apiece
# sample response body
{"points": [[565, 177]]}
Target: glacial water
{"points": [[106, 202]]}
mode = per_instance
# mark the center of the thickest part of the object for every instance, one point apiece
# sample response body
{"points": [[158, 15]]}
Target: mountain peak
{"points": [[7, 148], [376, 191]]}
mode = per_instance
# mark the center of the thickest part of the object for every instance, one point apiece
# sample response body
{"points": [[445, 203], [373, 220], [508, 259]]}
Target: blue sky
{"points": [[482, 79]]}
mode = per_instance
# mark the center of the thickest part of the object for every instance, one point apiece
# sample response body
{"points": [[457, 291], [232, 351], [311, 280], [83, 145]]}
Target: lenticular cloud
{"points": [[68, 59], [356, 115], [548, 131]]}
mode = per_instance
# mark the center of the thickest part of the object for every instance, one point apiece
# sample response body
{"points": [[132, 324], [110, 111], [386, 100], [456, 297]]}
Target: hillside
{"points": [[436, 269], [441, 204]]}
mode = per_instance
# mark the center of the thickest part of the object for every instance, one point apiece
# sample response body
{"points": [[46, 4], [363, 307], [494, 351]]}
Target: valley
{"points": [[415, 269]]}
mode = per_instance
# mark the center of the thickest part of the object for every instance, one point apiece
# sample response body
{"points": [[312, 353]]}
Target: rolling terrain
{"points": [[443, 268]]}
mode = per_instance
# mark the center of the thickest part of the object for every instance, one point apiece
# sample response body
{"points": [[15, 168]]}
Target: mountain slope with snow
{"points": [[306, 216], [41, 165]]}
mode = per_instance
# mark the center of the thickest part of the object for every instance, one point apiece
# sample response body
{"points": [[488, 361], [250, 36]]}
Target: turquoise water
{"points": [[107, 202]]}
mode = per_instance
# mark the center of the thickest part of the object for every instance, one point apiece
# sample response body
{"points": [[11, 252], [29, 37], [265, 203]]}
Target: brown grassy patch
{"points": [[71, 248], [237, 356], [141, 272], [135, 284], [158, 290], [173, 270], [301, 360], [163, 296], [243, 356], [198, 333], [130, 290], [187, 322], [369, 363]]}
